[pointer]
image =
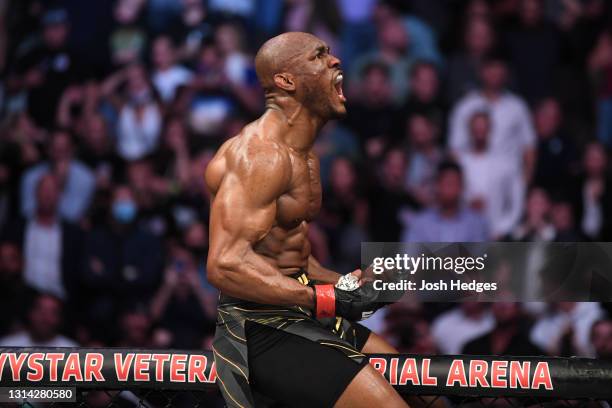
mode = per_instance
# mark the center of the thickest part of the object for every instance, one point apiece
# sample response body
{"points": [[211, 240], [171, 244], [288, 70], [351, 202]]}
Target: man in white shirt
{"points": [[492, 186], [168, 75], [512, 132], [44, 322], [454, 329]]}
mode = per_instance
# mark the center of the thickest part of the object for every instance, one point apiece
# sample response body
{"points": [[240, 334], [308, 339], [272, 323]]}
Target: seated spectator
{"points": [[139, 122], [492, 186], [565, 330], [167, 74], [509, 337], [182, 306], [556, 159], [51, 246], [44, 324], [424, 156], [453, 329], [601, 338], [463, 67], [593, 193], [371, 113], [448, 220], [512, 132], [76, 181], [121, 261], [535, 224], [389, 199]]}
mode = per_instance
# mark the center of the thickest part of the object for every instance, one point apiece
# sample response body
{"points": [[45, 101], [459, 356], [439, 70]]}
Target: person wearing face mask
{"points": [[122, 261]]}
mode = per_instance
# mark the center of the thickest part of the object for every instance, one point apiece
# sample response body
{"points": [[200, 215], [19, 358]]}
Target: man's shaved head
{"points": [[301, 67], [278, 54]]}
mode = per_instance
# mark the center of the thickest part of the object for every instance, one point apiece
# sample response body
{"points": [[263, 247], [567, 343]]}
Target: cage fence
{"points": [[117, 378]]}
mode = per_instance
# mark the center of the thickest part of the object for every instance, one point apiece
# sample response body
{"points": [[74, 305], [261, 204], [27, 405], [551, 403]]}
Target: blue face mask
{"points": [[124, 211]]}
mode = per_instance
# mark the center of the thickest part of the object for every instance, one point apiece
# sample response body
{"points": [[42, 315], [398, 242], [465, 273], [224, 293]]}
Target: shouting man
{"points": [[285, 330]]}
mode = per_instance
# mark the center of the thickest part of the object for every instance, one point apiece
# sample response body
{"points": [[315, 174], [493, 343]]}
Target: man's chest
{"points": [[302, 201]]}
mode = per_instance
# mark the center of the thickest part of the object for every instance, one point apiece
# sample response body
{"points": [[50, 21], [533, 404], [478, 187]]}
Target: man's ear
{"points": [[285, 81]]}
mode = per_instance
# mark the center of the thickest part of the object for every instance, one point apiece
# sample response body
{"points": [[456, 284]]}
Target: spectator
{"points": [[128, 38], [139, 122], [448, 220], [167, 74], [425, 96], [44, 322], [556, 158], [393, 51], [492, 186], [343, 216], [512, 132], [562, 216], [135, 328], [76, 181], [593, 193], [192, 29], [13, 291], [48, 68], [372, 115], [539, 42], [181, 305], [51, 246], [453, 329], [601, 338], [389, 199], [600, 66], [97, 151], [508, 337], [565, 330], [424, 156], [121, 261], [535, 224], [463, 67]]}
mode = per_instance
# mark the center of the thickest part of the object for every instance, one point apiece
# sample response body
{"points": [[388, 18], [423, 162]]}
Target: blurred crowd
{"points": [[468, 120]]}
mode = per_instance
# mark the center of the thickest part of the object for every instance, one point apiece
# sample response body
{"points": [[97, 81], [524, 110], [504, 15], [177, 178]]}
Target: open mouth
{"points": [[338, 85]]}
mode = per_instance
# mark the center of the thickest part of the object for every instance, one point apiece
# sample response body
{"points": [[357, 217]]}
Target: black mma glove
{"points": [[346, 300]]}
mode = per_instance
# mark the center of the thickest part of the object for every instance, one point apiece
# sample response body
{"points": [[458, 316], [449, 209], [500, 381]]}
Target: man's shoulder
{"points": [[254, 150]]}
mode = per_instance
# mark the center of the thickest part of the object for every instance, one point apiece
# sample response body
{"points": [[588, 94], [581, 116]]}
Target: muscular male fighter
{"points": [[285, 332]]}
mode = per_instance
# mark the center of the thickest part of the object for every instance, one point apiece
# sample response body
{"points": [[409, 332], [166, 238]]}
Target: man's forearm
{"points": [[319, 273], [255, 280]]}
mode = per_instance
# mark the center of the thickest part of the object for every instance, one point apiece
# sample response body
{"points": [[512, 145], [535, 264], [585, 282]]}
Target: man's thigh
{"points": [[297, 372]]}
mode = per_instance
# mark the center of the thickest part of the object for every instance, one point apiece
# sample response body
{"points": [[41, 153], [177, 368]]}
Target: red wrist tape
{"points": [[326, 300]]}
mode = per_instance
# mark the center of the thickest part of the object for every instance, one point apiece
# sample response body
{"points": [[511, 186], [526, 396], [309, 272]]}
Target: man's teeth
{"points": [[339, 78]]}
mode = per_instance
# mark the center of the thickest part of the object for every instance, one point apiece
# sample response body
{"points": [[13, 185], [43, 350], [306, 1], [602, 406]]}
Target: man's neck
{"points": [[46, 220], [299, 126], [449, 211], [491, 94]]}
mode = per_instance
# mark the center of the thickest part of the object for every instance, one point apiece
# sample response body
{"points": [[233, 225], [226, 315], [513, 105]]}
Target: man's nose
{"points": [[334, 62]]}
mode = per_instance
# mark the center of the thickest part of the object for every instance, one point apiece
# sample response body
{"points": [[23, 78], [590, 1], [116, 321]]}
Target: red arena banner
{"points": [[493, 376]]}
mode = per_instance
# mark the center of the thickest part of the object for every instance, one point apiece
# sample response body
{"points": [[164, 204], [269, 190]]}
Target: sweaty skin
{"points": [[266, 188]]}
